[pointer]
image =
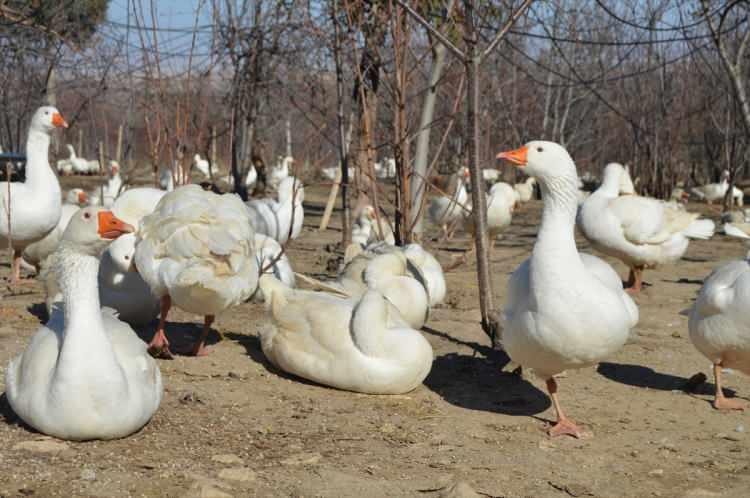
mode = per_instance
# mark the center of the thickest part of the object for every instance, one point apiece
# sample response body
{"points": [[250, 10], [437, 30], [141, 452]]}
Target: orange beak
{"points": [[111, 227], [82, 198], [518, 156], [58, 120]]}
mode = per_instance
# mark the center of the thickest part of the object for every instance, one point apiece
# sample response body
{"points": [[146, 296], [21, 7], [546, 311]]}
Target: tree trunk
{"points": [[479, 205], [419, 177]]}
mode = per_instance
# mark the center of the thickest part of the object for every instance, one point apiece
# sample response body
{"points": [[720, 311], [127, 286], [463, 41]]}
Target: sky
{"points": [[170, 13], [174, 20]]}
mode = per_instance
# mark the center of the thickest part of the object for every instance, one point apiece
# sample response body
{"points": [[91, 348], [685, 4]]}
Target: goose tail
{"points": [[700, 229]]}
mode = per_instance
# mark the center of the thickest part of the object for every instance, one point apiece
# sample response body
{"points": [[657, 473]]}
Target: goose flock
{"points": [[139, 251]]}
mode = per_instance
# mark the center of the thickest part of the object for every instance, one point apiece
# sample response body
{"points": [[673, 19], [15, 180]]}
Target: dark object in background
{"points": [[17, 165], [208, 186]]}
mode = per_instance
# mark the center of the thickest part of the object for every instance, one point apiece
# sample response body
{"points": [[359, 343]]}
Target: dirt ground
{"points": [[232, 425]]}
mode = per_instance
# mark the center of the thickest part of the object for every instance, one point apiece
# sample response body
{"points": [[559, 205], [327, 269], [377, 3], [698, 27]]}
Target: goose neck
{"points": [[83, 336], [556, 233], [368, 324], [37, 162]]}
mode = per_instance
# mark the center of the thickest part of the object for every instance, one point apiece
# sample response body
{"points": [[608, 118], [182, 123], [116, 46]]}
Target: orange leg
{"points": [[721, 402], [200, 348], [159, 345], [563, 425], [635, 280], [16, 270]]}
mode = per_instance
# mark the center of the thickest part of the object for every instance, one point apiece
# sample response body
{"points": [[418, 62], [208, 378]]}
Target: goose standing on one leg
{"points": [[196, 250], [36, 204], [85, 374], [564, 309]]}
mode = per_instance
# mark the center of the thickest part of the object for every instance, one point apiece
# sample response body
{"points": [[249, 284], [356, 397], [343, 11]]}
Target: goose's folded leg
{"points": [[159, 345], [720, 401], [563, 424]]}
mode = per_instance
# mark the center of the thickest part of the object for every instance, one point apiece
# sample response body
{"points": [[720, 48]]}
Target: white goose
{"points": [[35, 254], [525, 190], [564, 309], [280, 171], [105, 195], [490, 175], [365, 231], [121, 287], [501, 202], [202, 165], [250, 178], [421, 265], [720, 325], [713, 192], [35, 204], [640, 231], [271, 260], [196, 250], [445, 210], [280, 219], [79, 165], [356, 344], [84, 375]]}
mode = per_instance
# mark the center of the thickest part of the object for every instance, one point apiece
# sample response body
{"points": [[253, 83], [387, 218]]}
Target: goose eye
{"points": [[539, 149], [127, 258], [87, 215]]}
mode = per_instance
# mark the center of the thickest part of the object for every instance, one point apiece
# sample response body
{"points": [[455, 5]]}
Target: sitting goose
{"points": [[85, 374], [357, 344]]}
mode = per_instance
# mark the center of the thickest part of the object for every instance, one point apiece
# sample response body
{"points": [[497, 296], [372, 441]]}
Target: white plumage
{"points": [[445, 210], [281, 219], [640, 231], [357, 344], [563, 309], [85, 374], [720, 324], [196, 250]]}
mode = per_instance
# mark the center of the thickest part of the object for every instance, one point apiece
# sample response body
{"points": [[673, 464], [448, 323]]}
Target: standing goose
{"points": [[85, 374], [713, 191], [640, 231], [564, 309], [525, 190], [196, 251], [36, 204], [445, 210], [720, 326], [282, 219], [35, 254]]}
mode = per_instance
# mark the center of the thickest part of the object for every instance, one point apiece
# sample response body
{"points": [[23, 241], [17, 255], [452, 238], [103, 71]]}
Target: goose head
{"points": [[77, 196], [46, 119], [92, 229], [626, 183], [121, 252], [114, 168], [367, 215], [548, 162]]}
